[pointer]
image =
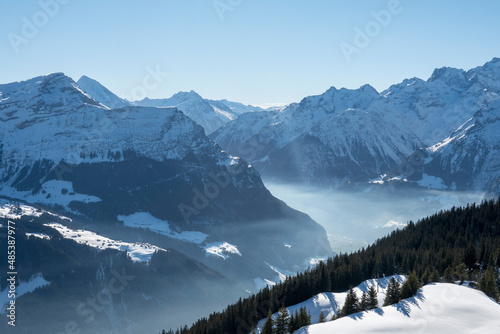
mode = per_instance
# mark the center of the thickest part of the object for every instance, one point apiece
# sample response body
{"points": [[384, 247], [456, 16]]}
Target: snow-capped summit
{"points": [[43, 94], [194, 106], [450, 76], [101, 93]]}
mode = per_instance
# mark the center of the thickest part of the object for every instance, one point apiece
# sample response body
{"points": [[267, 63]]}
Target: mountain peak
{"points": [[494, 60], [368, 89], [51, 90], [449, 75], [187, 95], [100, 93]]}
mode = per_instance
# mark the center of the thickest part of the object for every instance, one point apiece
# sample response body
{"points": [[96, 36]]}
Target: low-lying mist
{"points": [[356, 219]]}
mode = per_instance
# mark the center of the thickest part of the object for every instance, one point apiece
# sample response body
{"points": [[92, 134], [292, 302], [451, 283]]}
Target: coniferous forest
{"points": [[455, 245]]}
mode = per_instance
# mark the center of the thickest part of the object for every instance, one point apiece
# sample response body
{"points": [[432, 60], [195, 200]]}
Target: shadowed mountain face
{"points": [[145, 174], [354, 136]]}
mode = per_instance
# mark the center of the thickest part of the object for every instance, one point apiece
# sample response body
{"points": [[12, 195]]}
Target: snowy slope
{"points": [[138, 252], [436, 309], [101, 93], [470, 157], [330, 302], [236, 107]]}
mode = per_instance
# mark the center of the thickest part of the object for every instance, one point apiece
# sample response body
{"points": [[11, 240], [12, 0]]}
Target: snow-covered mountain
{"points": [[210, 114], [148, 172], [357, 135], [101, 93]]}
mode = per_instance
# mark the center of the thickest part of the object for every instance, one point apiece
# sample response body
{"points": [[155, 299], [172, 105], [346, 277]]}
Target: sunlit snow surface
{"points": [[147, 221], [12, 211], [437, 308], [39, 236], [221, 249], [138, 252]]}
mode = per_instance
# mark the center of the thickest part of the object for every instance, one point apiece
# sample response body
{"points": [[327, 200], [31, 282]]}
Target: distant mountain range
{"points": [[411, 135], [441, 133]]}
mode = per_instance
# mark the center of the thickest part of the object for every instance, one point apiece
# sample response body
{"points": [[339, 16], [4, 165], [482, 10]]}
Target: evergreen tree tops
{"points": [[286, 323], [351, 304], [282, 321]]}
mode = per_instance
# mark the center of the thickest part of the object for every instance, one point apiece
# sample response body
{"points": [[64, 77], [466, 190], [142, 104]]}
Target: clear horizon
{"points": [[253, 52]]}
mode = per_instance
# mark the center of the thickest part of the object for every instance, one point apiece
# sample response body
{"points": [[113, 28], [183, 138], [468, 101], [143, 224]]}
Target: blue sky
{"points": [[252, 51]]}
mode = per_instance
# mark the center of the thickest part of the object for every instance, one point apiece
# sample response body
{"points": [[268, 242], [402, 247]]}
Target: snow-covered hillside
{"points": [[437, 308], [331, 302]]}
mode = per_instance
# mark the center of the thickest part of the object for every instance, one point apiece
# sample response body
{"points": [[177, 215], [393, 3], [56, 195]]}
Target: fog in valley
{"points": [[355, 219]]}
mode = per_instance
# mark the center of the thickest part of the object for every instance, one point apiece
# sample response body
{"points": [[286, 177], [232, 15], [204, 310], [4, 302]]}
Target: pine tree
{"points": [[363, 305], [351, 304], [322, 317], [393, 292], [372, 299], [435, 277], [305, 317], [488, 283], [410, 286], [294, 321], [461, 272], [268, 327], [282, 321], [470, 257], [426, 277], [448, 275]]}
